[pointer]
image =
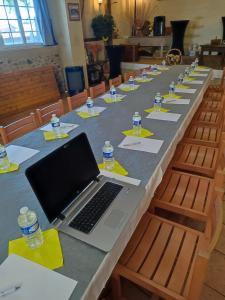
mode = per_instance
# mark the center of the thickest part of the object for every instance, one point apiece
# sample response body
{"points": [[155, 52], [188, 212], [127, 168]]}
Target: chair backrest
{"points": [[18, 128], [115, 81], [44, 114], [207, 245], [77, 100], [97, 90], [128, 74]]}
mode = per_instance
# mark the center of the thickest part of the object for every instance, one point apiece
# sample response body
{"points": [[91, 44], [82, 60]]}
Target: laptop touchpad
{"points": [[115, 218]]}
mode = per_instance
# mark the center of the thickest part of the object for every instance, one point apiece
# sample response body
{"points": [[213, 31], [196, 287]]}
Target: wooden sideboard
{"points": [[152, 41], [214, 61]]}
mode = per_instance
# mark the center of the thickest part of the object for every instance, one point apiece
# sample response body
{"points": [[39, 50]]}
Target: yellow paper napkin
{"points": [[128, 89], [152, 109], [144, 133], [48, 255], [12, 168], [109, 100], [118, 169], [181, 86], [154, 73], [86, 115], [50, 136], [140, 80], [174, 96], [201, 68], [195, 73], [189, 78]]}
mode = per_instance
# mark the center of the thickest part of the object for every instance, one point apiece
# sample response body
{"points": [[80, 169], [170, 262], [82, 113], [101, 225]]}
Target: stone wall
{"points": [[14, 59]]}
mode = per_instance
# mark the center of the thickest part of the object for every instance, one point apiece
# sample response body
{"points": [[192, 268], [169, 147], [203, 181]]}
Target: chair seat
{"points": [[197, 159], [160, 257], [206, 117], [213, 105], [203, 135], [186, 194]]}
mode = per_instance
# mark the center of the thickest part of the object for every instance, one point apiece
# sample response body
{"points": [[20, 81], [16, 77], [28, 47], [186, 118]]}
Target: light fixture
{"points": [[100, 2]]}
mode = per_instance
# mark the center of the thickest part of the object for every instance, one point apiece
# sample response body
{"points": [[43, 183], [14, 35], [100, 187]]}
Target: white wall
{"points": [[204, 15]]}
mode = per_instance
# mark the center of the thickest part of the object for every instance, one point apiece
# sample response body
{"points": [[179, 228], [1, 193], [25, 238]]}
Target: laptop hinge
{"points": [[61, 217]]}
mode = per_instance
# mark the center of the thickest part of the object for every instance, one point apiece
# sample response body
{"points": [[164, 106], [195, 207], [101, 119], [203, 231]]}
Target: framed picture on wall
{"points": [[74, 11]]}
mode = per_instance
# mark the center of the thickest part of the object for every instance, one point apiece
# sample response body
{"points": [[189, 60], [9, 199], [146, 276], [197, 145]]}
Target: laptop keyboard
{"points": [[95, 208]]}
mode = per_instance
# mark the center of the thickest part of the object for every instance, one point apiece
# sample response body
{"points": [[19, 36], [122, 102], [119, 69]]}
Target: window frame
{"points": [[22, 32]]}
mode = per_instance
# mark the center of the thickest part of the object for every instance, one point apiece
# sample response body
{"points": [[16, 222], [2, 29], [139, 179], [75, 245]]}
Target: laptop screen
{"points": [[62, 175]]}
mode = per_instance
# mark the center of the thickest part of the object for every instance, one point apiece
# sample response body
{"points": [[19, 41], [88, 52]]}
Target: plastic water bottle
{"points": [[172, 88], [56, 125], [180, 78], [158, 102], [113, 93], [193, 66], [136, 123], [187, 72], [144, 75], [131, 82], [90, 106], [154, 68], [164, 63], [196, 62], [4, 160], [30, 228], [108, 158]]}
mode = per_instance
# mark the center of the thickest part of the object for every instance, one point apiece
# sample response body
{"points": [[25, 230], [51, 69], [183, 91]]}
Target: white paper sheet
{"points": [[199, 75], [176, 101], [185, 91], [19, 154], [202, 70], [36, 281], [124, 85], [141, 144], [121, 177], [66, 127], [164, 116], [195, 82], [108, 96], [96, 109]]}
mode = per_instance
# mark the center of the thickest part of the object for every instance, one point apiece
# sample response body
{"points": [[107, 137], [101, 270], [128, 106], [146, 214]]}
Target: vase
{"points": [[114, 53], [178, 29], [223, 20], [159, 26]]}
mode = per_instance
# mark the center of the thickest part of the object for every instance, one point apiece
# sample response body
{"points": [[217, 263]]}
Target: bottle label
{"points": [[157, 100], [3, 154], [136, 122], [107, 154], [90, 105], [30, 229], [56, 124], [131, 81], [112, 93]]}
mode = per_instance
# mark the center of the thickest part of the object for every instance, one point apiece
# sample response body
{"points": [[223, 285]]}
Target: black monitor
{"points": [[61, 176]]}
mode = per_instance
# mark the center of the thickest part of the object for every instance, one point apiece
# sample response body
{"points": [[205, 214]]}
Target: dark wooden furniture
{"points": [[130, 53], [214, 61]]}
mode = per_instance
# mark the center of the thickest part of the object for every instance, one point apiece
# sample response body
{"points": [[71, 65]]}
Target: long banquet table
{"points": [[86, 264]]}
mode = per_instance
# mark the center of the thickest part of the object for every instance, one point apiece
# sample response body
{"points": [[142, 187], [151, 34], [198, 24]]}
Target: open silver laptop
{"points": [[77, 199]]}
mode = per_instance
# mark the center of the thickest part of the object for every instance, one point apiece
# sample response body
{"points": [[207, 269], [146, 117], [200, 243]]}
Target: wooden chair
{"points": [[168, 259], [44, 114], [206, 117], [205, 135], [186, 194], [220, 87], [115, 81], [77, 100], [97, 90], [127, 75], [197, 159], [18, 128]]}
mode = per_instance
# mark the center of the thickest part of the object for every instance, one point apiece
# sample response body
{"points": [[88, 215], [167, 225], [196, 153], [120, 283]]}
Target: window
{"points": [[18, 24]]}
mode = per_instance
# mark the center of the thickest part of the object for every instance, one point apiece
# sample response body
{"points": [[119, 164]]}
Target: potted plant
{"points": [[103, 27]]}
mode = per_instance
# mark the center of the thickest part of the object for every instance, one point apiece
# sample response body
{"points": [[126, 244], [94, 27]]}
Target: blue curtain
{"points": [[44, 22]]}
